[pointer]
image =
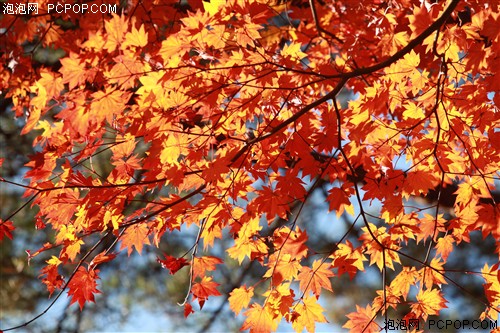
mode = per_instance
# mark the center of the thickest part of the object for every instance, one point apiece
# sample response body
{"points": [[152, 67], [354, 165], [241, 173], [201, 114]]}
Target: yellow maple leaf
{"points": [[403, 281], [286, 268], [491, 276], [66, 233], [71, 249], [293, 51], [54, 261], [431, 276], [115, 31], [212, 6], [444, 246], [413, 111], [135, 38], [259, 320], [173, 146], [152, 90], [95, 41], [410, 61], [52, 84], [239, 298], [244, 247], [429, 302], [113, 217], [107, 103], [72, 70], [309, 313]]}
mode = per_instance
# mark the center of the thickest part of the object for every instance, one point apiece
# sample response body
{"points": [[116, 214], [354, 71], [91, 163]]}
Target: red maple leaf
{"points": [[83, 286], [173, 264]]}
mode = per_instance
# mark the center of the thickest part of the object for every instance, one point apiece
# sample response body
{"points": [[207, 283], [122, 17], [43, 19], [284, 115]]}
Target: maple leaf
{"points": [[363, 320], [203, 264], [51, 277], [282, 268], [419, 182], [345, 265], [309, 313], [6, 228], [136, 37], [339, 201], [72, 70], [188, 309], [430, 226], [83, 286], [386, 298], [173, 264], [115, 31], [71, 249], [213, 6], [202, 290], [52, 83], [291, 242], [172, 50], [107, 103], [135, 236], [491, 275], [432, 275], [270, 202], [227, 117], [101, 258], [315, 278], [378, 253], [430, 302], [413, 111], [280, 299], [409, 62], [293, 51], [259, 320], [444, 246], [239, 298], [419, 21], [244, 247], [403, 281], [346, 258]]}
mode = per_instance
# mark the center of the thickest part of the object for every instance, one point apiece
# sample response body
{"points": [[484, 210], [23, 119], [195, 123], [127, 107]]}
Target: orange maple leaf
{"points": [[203, 264], [316, 277], [362, 321], [444, 246], [135, 236], [419, 21], [204, 289]]}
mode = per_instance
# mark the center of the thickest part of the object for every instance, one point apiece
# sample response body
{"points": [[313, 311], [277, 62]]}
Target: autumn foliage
{"points": [[226, 116]]}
